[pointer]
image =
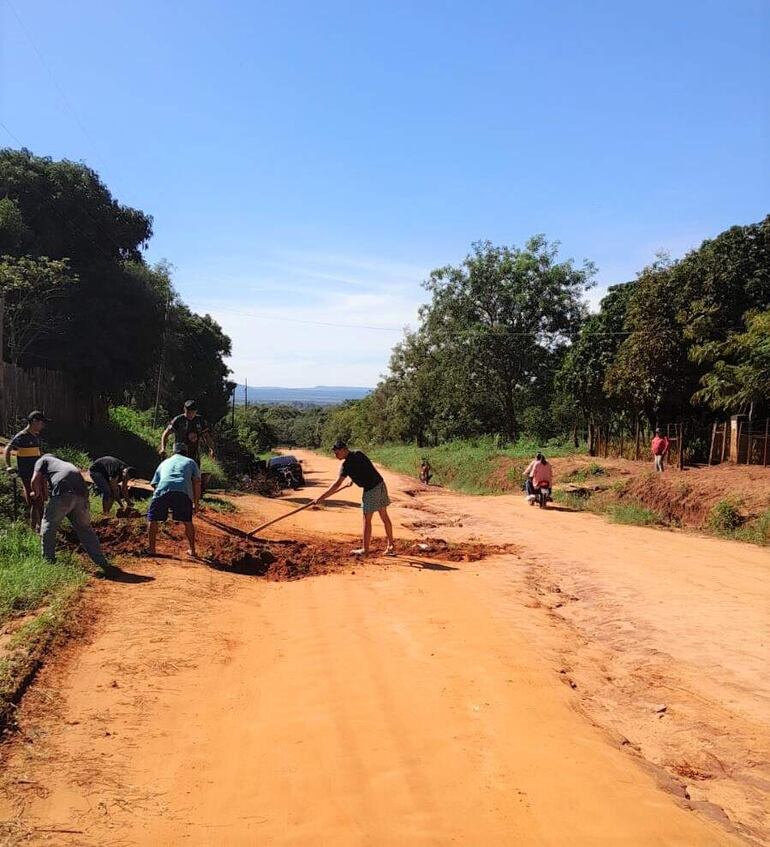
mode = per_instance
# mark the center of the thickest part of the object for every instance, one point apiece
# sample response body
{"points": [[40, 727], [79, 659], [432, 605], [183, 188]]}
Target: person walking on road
{"points": [[359, 468], [660, 447], [177, 484], [28, 448], [110, 476], [190, 429], [63, 486]]}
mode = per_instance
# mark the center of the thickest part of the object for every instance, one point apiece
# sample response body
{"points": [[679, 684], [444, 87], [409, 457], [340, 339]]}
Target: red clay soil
{"points": [[274, 560], [687, 497], [437, 548]]}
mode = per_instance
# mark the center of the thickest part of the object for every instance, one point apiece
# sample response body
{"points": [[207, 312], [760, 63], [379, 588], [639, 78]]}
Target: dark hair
{"points": [[190, 405], [339, 444], [542, 458], [129, 472]]}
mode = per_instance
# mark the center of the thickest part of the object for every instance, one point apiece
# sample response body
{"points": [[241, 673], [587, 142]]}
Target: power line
{"points": [[54, 81], [502, 330]]}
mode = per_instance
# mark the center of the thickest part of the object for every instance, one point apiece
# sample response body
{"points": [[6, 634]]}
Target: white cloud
{"points": [[288, 331]]}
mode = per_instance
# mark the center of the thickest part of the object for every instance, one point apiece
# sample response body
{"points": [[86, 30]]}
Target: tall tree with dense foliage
{"points": [[496, 326], [104, 315], [739, 378]]}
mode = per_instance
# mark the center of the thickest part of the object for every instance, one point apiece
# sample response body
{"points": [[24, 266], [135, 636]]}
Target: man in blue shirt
{"points": [[177, 484]]}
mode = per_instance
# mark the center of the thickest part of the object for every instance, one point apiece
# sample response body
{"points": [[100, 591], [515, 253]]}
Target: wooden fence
{"points": [[741, 441], [53, 392], [634, 443]]}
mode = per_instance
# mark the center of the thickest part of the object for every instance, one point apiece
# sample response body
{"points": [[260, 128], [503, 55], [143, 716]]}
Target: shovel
{"points": [[289, 514]]}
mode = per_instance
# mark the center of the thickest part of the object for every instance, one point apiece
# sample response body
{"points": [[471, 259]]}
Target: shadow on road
{"points": [[116, 574]]}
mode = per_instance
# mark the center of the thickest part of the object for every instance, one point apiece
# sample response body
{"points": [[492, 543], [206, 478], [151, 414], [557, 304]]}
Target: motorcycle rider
{"points": [[539, 470]]}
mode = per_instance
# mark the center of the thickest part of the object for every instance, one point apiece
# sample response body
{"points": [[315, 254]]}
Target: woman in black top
{"points": [[359, 468]]}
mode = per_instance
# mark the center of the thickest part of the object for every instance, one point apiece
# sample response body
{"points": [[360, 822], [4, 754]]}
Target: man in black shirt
{"points": [[362, 472], [28, 448], [110, 476], [192, 430]]}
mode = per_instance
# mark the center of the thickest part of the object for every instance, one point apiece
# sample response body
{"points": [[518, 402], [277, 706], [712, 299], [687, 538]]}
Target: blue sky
{"points": [[314, 161]]}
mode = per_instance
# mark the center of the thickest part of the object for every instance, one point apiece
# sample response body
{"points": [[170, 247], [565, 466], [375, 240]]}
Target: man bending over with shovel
{"points": [[362, 472]]}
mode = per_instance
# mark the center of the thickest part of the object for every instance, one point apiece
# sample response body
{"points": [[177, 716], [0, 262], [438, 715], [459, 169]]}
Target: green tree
{"points": [[497, 324], [34, 295], [739, 379], [583, 372]]}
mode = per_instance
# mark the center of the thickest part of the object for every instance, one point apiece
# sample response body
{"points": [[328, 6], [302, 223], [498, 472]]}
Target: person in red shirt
{"points": [[660, 447], [539, 470]]}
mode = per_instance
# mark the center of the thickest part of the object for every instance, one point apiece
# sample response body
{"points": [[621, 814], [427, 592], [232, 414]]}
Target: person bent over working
{"points": [[27, 446], [110, 476], [68, 499], [177, 484], [362, 472]]}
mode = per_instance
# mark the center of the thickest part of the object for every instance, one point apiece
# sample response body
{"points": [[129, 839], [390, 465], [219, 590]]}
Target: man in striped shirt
{"points": [[27, 446]]}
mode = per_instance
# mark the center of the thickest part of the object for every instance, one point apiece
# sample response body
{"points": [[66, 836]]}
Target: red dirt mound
{"points": [[466, 552], [686, 498], [287, 561], [117, 537]]}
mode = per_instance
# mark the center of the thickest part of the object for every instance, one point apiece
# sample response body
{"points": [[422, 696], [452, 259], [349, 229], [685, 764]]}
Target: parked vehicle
{"points": [[287, 471]]}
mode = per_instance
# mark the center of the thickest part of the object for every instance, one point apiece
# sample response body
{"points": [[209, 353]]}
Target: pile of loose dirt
{"points": [[438, 548], [288, 560], [279, 562], [117, 537]]}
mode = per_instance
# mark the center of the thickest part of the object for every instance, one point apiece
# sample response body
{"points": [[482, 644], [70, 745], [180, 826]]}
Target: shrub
{"points": [[633, 513], [756, 531], [725, 516], [73, 453]]}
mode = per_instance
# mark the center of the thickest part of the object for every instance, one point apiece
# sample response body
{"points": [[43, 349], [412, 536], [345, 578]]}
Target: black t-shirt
{"points": [[28, 451], [188, 431], [109, 467], [360, 469]]}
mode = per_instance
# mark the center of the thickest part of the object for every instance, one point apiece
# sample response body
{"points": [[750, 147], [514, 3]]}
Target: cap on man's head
{"points": [[339, 444], [130, 472], [37, 416], [658, 430], [180, 447], [190, 404]]}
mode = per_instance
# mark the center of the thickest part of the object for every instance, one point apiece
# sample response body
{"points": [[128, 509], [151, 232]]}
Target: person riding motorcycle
{"points": [[538, 471]]}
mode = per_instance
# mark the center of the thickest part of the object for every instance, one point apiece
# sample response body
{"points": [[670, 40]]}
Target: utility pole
{"points": [[232, 417], [160, 364], [2, 325], [246, 393]]}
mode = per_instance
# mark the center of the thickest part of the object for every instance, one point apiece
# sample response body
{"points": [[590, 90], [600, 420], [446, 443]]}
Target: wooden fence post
{"points": [[713, 436], [681, 446], [767, 432], [636, 449]]}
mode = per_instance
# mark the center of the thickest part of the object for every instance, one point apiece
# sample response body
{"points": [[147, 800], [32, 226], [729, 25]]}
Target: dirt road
{"points": [[564, 694]]}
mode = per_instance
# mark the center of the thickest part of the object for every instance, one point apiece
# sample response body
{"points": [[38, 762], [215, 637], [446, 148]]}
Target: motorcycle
{"points": [[543, 494]]}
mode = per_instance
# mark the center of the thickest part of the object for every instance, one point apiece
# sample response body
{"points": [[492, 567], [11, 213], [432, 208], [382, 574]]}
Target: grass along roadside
{"points": [[36, 600], [725, 519], [483, 466]]}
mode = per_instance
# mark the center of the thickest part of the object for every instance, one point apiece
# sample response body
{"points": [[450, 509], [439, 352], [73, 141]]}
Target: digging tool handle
{"points": [[289, 514], [282, 517]]}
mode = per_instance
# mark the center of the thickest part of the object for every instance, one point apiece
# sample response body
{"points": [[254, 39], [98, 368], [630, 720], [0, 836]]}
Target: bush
{"points": [[725, 516], [634, 514], [756, 531], [74, 454]]}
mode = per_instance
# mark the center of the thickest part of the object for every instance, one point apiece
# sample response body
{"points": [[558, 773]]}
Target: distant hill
{"points": [[319, 395]]}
